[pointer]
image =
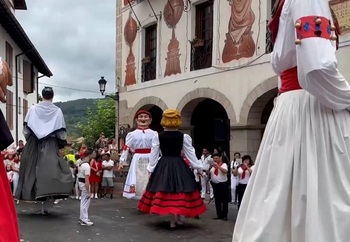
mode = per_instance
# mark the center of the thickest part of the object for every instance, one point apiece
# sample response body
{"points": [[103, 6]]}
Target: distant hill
{"points": [[75, 112]]}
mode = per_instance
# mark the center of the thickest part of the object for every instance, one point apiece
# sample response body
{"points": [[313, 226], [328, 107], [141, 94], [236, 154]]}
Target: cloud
{"points": [[77, 41]]}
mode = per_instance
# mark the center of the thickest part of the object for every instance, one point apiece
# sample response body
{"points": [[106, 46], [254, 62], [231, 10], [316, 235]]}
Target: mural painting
{"points": [[130, 31], [341, 9], [239, 41], [173, 10]]}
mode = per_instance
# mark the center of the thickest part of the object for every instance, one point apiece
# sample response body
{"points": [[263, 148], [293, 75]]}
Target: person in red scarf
{"points": [[220, 184], [244, 172], [8, 218]]}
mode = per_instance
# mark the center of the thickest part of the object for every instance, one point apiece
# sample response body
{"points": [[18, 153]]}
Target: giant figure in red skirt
{"points": [[171, 189], [8, 218]]}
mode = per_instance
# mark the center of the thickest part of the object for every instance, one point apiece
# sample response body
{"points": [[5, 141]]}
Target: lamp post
{"points": [[102, 84]]}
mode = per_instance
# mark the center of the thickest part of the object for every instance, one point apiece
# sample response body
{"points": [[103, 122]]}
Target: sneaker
{"points": [[96, 196], [85, 223], [76, 197], [80, 198], [57, 201], [92, 196]]}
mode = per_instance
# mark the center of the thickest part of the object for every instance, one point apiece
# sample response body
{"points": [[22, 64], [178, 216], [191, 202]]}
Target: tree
{"points": [[102, 119]]}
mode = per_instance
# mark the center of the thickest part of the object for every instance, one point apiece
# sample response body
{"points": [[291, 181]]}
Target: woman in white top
{"points": [[243, 172]]}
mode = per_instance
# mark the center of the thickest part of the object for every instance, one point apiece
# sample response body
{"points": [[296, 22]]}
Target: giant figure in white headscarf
{"points": [[44, 173]]}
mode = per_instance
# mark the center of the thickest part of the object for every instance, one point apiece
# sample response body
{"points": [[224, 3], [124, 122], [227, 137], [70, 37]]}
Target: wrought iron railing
{"points": [[269, 45], [149, 69], [202, 53]]}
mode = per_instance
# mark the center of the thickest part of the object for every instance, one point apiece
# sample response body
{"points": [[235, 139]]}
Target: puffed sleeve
{"points": [[154, 156], [190, 153], [316, 60], [128, 143]]}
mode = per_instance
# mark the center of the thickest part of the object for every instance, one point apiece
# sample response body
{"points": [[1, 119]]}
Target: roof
{"points": [[17, 33]]}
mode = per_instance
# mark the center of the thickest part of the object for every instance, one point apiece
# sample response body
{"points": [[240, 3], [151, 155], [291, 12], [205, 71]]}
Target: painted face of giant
{"points": [[143, 120]]}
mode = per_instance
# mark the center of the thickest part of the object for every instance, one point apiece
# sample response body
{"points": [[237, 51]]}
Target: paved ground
{"points": [[117, 220]]}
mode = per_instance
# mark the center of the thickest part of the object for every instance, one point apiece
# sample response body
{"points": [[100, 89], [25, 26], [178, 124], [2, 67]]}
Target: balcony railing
{"points": [[202, 53], [269, 45], [149, 69]]}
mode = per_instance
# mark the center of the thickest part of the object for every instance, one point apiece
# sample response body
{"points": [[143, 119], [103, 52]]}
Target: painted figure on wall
{"points": [[341, 10], [130, 31], [239, 40], [173, 10]]}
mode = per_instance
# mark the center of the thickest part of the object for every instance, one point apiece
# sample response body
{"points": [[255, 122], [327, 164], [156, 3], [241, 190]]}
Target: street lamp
{"points": [[102, 83]]}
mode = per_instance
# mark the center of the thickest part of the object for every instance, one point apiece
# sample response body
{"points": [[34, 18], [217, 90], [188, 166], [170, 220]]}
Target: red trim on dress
{"points": [[187, 204], [142, 151], [313, 27]]}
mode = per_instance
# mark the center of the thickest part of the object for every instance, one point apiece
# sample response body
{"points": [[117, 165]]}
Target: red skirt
{"points": [[187, 204], [8, 217]]}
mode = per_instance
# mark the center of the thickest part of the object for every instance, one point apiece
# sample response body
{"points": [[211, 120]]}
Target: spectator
{"points": [[107, 178]]}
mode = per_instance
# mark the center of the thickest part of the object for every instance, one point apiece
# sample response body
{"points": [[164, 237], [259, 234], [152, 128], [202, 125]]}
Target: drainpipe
{"points": [[16, 75]]}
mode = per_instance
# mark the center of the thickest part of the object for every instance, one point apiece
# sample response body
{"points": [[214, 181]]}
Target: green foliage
{"points": [[74, 112], [102, 119]]}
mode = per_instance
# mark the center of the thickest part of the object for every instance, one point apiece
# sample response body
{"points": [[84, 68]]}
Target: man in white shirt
{"points": [[219, 181], [206, 160], [84, 186], [107, 178]]}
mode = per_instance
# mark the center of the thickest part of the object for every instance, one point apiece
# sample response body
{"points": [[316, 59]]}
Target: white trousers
{"points": [[84, 203], [15, 182], [204, 183]]}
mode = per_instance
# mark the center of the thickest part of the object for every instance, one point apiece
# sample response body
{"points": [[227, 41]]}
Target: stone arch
{"points": [[266, 88], [151, 100], [202, 93]]}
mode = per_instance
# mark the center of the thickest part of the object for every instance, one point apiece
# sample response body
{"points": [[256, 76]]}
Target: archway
{"points": [[209, 124], [156, 113]]}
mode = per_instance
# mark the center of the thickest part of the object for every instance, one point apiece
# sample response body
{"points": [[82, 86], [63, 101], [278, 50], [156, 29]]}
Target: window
{"points": [[202, 44], [9, 109], [149, 63], [270, 9], [28, 77], [25, 108], [9, 56]]}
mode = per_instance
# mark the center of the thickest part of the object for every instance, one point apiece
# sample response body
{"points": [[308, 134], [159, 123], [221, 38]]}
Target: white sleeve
{"points": [[240, 171], [128, 143], [224, 166], [190, 153], [317, 63], [154, 156]]}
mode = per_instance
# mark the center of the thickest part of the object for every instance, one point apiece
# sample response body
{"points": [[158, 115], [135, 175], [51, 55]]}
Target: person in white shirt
{"points": [[107, 177], [206, 160], [219, 181], [244, 173], [84, 186]]}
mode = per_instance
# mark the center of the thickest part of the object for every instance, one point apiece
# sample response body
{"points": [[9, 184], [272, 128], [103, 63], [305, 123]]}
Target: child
{"points": [[84, 186], [9, 174]]}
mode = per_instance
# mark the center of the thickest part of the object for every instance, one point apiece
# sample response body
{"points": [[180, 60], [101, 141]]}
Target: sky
{"points": [[76, 39]]}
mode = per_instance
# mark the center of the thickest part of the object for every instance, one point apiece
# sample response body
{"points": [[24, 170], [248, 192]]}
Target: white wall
{"points": [[31, 98]]}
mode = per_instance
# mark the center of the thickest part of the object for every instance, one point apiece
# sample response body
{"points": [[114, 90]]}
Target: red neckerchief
{"points": [[244, 168], [216, 171]]}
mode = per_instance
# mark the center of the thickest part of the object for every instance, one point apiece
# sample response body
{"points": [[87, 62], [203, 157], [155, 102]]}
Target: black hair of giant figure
{"points": [[47, 93]]}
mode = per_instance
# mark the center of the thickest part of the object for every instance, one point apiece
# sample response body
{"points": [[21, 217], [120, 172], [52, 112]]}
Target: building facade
{"points": [[26, 66], [208, 59]]}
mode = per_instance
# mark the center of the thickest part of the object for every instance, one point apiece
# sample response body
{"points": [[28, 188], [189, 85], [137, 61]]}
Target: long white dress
{"points": [[300, 188], [138, 141]]}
